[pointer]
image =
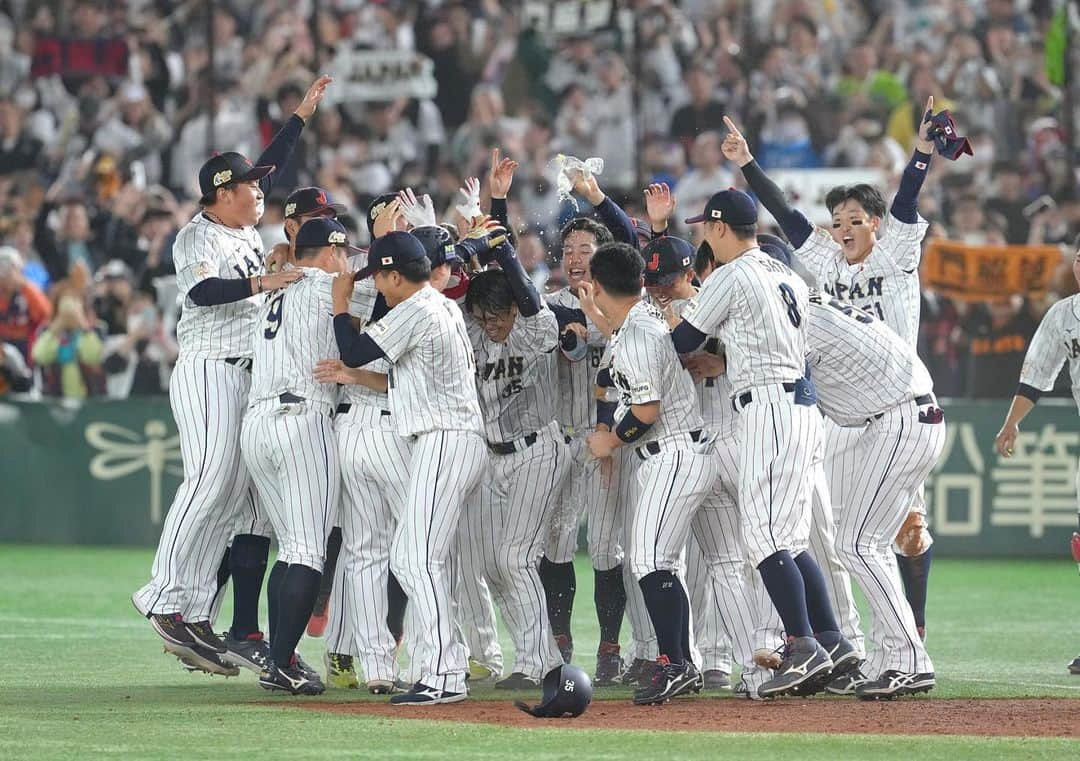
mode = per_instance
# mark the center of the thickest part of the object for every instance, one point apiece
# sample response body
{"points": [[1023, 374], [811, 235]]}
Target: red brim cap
{"points": [[329, 210]]}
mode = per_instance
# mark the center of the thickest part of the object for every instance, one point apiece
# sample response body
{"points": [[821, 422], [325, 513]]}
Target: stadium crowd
{"points": [[104, 123]]}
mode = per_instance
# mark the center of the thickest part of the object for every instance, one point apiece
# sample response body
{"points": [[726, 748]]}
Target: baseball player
{"points": [[514, 337], [424, 338], [287, 441], [1056, 342], [757, 308], [726, 609], [657, 416], [870, 380], [219, 264], [870, 259]]}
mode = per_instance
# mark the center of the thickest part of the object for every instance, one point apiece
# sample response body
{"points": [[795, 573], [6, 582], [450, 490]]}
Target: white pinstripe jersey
{"points": [[205, 249], [714, 396], [645, 368], [295, 331], [756, 306], [1056, 341], [431, 358], [859, 367], [515, 379], [361, 305], [576, 407], [885, 284]]}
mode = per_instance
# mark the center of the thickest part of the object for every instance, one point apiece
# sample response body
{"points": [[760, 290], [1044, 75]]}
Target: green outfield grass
{"points": [[83, 676]]}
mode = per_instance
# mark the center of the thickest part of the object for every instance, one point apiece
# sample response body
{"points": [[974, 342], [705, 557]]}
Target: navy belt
{"points": [[507, 447], [288, 398], [921, 400], [746, 397], [653, 447], [345, 407], [244, 363]]}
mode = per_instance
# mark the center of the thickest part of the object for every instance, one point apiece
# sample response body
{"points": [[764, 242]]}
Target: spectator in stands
{"points": [[139, 362], [19, 150], [533, 256], [66, 237], [113, 296], [999, 332], [703, 112], [69, 353], [15, 376], [86, 49], [1007, 202], [135, 132], [24, 309], [709, 173]]}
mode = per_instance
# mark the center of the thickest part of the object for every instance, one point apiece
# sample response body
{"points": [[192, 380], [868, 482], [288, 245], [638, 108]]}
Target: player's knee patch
{"points": [[914, 537]]}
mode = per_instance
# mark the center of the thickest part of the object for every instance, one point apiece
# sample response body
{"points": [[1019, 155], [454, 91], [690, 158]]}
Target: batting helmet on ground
{"points": [[567, 692]]}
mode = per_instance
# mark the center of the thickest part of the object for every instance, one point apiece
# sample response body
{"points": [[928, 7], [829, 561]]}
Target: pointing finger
{"points": [[731, 126]]}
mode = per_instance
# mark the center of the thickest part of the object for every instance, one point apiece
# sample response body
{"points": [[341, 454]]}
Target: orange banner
{"points": [[985, 273]]}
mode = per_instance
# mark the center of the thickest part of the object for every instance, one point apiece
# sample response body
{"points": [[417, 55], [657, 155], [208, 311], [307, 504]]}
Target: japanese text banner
{"points": [[985, 273]]}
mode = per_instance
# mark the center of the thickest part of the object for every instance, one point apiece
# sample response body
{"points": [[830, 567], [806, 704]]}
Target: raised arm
{"points": [[500, 177], [610, 213], [525, 293], [280, 150], [905, 202]]}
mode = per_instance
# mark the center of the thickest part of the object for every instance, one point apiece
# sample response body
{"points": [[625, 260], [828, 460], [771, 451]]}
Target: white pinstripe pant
{"points": [[208, 399], [891, 458], [291, 453], [473, 607], [506, 532], [444, 467], [374, 466]]}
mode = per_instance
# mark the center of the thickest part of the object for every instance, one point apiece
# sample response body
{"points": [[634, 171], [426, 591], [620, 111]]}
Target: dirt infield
{"points": [[1043, 717]]}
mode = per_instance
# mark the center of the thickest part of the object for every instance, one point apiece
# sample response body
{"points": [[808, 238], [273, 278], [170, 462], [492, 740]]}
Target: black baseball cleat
{"points": [[422, 695], [846, 684], [1074, 667], [171, 628], [198, 658], [305, 668], [609, 666], [697, 681], [518, 681], [668, 680], [845, 659], [894, 684], [291, 679], [716, 679], [203, 634], [639, 674], [250, 652], [804, 661]]}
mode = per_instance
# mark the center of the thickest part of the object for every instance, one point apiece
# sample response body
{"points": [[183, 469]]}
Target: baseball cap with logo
{"points": [[322, 232], [305, 202], [375, 208], [391, 251], [665, 258], [731, 206], [438, 244], [227, 169]]}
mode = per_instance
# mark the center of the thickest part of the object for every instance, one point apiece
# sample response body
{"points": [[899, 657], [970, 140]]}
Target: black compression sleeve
{"points": [[356, 348], [567, 315], [905, 202], [605, 413], [219, 290], [1028, 392], [796, 227], [525, 293], [687, 338]]}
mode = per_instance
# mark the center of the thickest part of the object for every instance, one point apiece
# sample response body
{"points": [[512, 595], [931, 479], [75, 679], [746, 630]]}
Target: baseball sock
{"points": [[560, 585], [395, 611], [247, 564], [333, 549], [664, 599], [784, 583], [223, 571], [296, 598], [273, 595], [915, 573], [609, 594], [818, 608]]}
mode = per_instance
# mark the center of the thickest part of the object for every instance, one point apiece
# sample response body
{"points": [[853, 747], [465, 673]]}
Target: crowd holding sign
{"points": [[382, 75], [985, 273]]}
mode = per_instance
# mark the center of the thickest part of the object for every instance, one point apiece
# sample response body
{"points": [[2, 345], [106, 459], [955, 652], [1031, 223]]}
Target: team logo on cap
{"points": [[290, 209], [222, 177], [686, 261], [376, 210], [336, 237], [716, 214], [320, 197], [387, 261]]}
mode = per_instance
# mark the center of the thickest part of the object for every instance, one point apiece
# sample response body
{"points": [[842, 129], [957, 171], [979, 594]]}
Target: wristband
{"points": [[630, 429]]}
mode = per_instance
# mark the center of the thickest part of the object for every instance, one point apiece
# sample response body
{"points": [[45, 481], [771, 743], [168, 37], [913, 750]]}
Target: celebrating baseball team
{"points": [[744, 427]]}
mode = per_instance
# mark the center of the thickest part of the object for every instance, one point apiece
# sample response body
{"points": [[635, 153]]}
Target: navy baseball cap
{"points": [[307, 201], [665, 257], [438, 244], [775, 247], [375, 208], [321, 232], [226, 169], [731, 206], [391, 251]]}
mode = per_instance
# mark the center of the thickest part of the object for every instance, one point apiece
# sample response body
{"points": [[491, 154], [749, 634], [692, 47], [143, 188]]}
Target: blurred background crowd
{"points": [[107, 110]]}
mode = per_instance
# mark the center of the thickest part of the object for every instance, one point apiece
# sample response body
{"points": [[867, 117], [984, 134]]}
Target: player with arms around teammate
{"points": [[1056, 342], [657, 417], [514, 337], [219, 268], [288, 443], [424, 338], [869, 258], [757, 308]]}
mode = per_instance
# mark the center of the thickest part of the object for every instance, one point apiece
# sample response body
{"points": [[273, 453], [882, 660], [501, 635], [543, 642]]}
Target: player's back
{"points": [[859, 366], [714, 394], [204, 249], [295, 331]]}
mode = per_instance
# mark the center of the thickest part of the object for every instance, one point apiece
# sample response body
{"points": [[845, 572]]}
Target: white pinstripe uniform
{"points": [[287, 438], [374, 459], [208, 393], [505, 522], [431, 401], [586, 492], [756, 306], [871, 381], [1056, 341], [730, 612], [678, 468], [885, 284]]}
